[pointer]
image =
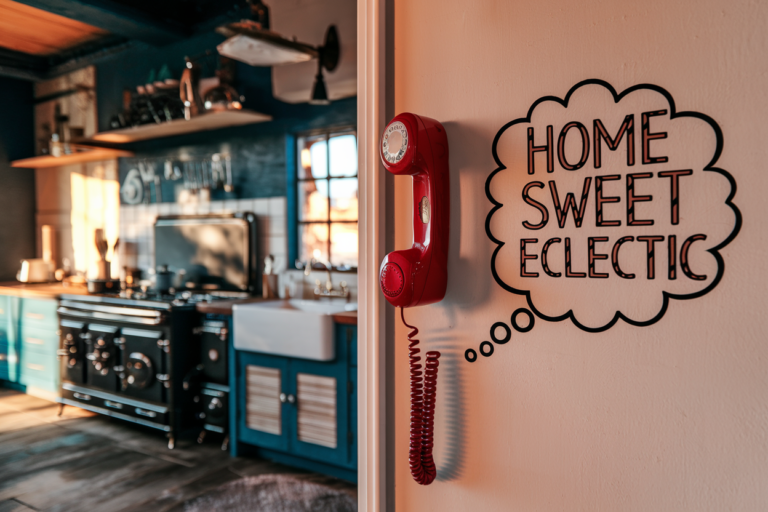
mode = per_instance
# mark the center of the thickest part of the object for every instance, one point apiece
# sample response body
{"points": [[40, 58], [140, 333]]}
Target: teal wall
{"points": [[260, 151]]}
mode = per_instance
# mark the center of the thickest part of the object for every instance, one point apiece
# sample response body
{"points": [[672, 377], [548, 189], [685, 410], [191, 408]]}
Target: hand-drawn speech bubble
{"points": [[607, 205]]}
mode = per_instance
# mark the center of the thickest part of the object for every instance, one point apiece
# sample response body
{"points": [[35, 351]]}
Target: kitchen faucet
{"points": [[328, 290]]}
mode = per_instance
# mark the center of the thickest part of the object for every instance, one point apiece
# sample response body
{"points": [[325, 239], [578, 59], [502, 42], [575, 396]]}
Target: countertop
{"points": [[40, 291], [224, 307], [219, 307]]}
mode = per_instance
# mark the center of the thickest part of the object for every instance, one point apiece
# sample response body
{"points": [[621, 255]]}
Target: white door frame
{"points": [[371, 330]]}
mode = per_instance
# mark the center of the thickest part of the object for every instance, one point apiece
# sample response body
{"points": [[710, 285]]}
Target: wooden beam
{"points": [[21, 65], [114, 18]]}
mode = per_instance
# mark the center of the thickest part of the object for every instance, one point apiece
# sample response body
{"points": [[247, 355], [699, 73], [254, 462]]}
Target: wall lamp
{"points": [[251, 41]]}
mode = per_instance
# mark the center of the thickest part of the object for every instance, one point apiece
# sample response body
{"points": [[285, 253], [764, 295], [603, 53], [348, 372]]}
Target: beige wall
{"points": [[667, 417]]}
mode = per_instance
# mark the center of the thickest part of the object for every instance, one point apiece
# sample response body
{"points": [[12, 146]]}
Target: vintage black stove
{"points": [[127, 357], [148, 357]]}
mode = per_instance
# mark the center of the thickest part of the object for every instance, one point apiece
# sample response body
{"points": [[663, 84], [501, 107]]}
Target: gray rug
{"points": [[272, 493]]}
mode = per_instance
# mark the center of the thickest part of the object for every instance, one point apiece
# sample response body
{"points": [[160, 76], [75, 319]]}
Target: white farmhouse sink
{"points": [[295, 328]]}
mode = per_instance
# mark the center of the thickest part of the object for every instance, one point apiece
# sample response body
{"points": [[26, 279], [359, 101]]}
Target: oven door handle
{"points": [[108, 316]]}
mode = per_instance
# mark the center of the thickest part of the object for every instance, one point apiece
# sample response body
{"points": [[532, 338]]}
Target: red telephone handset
{"points": [[418, 146]]}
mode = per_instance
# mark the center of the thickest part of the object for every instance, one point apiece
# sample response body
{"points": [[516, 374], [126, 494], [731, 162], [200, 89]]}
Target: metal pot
{"points": [[164, 279]]}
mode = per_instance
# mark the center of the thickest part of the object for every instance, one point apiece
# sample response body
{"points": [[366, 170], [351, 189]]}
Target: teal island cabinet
{"points": [[28, 344], [295, 411]]}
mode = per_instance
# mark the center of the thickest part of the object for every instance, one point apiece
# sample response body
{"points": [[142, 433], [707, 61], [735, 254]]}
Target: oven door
{"points": [[72, 351], [214, 348], [145, 365], [102, 356]]}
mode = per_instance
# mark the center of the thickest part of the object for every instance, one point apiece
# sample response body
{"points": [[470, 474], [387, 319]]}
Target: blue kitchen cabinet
{"points": [[28, 342], [297, 411], [9, 350]]}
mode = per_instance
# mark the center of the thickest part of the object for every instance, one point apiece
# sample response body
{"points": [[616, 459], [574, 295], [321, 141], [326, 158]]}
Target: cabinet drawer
{"points": [[38, 366], [151, 415], [40, 340], [45, 384], [39, 313]]}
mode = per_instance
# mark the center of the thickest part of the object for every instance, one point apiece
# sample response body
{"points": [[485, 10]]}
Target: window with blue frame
{"points": [[326, 198]]}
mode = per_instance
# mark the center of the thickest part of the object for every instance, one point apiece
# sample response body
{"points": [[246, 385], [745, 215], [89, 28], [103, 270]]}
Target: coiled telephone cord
{"points": [[423, 392]]}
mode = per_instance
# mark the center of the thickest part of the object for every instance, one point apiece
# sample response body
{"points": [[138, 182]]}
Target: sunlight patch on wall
{"points": [[95, 205]]}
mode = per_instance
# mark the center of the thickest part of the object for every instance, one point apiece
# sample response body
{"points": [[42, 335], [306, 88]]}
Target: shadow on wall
{"points": [[452, 463], [465, 287]]}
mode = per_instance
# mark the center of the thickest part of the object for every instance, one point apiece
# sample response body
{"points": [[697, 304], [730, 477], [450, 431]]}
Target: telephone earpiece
{"points": [[418, 146]]}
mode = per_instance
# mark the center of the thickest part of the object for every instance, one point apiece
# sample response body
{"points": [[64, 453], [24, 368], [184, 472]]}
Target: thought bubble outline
{"points": [[715, 251]]}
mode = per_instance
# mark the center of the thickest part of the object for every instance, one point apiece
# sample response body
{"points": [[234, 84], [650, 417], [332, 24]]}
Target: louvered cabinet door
{"points": [[263, 418], [317, 409], [321, 411], [262, 399]]}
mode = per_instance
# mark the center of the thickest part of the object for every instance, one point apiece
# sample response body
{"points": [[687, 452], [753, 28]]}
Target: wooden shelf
{"points": [[201, 123], [82, 154]]}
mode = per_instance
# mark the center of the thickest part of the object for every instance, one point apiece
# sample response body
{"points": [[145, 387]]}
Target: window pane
{"points": [[344, 199], [344, 155], [314, 242], [313, 157], [344, 245], [313, 200]]}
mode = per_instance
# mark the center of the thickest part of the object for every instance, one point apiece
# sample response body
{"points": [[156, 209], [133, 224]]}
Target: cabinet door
{"points": [[264, 413], [322, 411], [9, 341]]}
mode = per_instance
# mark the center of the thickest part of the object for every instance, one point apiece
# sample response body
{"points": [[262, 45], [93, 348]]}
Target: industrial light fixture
{"points": [[251, 41], [319, 92]]}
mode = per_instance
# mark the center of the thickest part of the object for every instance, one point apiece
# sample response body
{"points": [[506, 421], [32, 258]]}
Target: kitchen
{"points": [[185, 215], [562, 199]]}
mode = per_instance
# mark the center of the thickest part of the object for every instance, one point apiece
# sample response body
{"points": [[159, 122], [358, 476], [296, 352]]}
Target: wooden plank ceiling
{"points": [[37, 32]]}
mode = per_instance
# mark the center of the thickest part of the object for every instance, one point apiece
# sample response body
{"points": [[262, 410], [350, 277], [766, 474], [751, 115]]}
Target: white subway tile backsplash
{"points": [[277, 226], [277, 206], [261, 206], [244, 205], [278, 245], [137, 225]]}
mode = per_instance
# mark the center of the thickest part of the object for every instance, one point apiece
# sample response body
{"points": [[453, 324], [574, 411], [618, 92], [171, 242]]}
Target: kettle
{"points": [[189, 90]]}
